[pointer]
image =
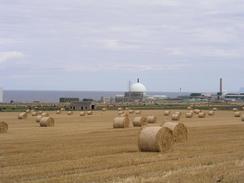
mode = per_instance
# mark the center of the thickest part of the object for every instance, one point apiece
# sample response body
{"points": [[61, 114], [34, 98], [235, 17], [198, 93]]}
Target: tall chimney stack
{"points": [[138, 80], [221, 86]]}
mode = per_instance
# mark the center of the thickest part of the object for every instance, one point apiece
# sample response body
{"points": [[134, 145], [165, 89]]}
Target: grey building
{"points": [[83, 105]]}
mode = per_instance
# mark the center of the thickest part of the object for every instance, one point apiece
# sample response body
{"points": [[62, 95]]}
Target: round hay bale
{"points": [[34, 113], [120, 112], [242, 117], [104, 109], [27, 111], [70, 113], [58, 112], [89, 113], [189, 108], [155, 139], [121, 122], [119, 109], [82, 113], [237, 114], [202, 115], [151, 119], [22, 115], [179, 130], [131, 111], [47, 122], [175, 117], [45, 114], [189, 115], [210, 113], [242, 108], [39, 112], [197, 111], [38, 118], [166, 113], [62, 109], [139, 121], [214, 109], [137, 112], [3, 127], [235, 109]]}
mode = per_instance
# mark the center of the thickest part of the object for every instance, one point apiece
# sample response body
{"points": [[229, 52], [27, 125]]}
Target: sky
{"points": [[102, 44]]}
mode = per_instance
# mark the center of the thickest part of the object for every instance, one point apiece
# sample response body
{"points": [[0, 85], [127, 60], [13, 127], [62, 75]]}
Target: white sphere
{"points": [[138, 87]]}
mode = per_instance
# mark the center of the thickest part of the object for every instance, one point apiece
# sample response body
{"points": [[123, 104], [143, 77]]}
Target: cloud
{"points": [[10, 55]]}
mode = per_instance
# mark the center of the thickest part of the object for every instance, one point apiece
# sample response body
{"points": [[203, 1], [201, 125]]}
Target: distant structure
{"points": [[136, 92], [68, 99], [85, 104], [1, 95], [220, 93]]}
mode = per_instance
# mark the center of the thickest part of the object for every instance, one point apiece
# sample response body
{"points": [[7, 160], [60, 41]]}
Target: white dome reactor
{"points": [[138, 87]]}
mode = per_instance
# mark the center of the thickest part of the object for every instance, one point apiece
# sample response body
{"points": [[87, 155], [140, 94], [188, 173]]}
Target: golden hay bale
{"points": [[39, 112], [34, 113], [58, 112], [131, 111], [70, 113], [235, 109], [22, 115], [179, 130], [242, 117], [196, 111], [214, 109], [46, 122], [3, 127], [121, 122], [151, 119], [104, 109], [38, 118], [202, 115], [82, 113], [237, 114], [137, 112], [210, 113], [62, 109], [175, 117], [166, 113], [139, 121], [189, 115], [155, 139], [120, 112], [242, 108], [189, 108], [45, 114], [89, 113], [27, 111], [119, 109]]}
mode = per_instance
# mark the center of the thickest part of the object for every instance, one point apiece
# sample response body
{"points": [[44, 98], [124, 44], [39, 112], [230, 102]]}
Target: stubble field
{"points": [[87, 149]]}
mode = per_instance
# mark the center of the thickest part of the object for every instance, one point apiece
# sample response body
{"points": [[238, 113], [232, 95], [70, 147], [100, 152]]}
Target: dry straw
{"points": [[89, 112], [166, 113], [155, 139], [27, 111], [242, 117], [189, 115], [138, 112], [189, 108], [120, 112], [82, 113], [70, 113], [139, 121], [235, 109], [214, 109], [202, 115], [58, 112], [62, 109], [151, 119], [22, 115], [210, 113], [119, 109], [39, 112], [197, 111], [3, 127], [47, 122], [179, 130], [34, 113], [121, 122], [131, 111], [237, 114], [38, 118], [175, 117], [104, 109], [45, 114]]}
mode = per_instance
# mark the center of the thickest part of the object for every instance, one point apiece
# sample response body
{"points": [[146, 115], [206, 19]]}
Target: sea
{"points": [[53, 96]]}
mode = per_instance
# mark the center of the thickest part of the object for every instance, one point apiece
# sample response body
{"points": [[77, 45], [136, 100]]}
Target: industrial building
{"points": [[1, 95], [83, 105]]}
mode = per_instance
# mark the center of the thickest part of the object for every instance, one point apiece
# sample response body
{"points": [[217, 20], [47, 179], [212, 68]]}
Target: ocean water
{"points": [[53, 96]]}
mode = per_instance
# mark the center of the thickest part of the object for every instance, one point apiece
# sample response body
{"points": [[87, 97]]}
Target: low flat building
{"points": [[83, 105]]}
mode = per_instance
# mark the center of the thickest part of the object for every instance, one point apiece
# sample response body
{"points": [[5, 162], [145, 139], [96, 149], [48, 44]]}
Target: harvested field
{"points": [[88, 149]]}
